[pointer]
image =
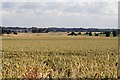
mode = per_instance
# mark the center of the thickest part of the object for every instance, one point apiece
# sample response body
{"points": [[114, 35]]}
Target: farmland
{"points": [[58, 55]]}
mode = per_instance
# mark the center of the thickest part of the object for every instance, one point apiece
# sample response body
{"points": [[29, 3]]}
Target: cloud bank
{"points": [[61, 14]]}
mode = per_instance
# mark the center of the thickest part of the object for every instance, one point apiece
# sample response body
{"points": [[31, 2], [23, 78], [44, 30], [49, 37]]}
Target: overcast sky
{"points": [[60, 14]]}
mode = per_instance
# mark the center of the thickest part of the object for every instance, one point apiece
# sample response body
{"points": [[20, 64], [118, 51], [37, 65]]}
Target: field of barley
{"points": [[57, 55]]}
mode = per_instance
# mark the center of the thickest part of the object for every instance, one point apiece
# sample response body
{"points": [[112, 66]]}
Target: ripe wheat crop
{"points": [[53, 56]]}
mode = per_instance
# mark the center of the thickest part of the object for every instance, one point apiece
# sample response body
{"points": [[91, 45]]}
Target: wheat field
{"points": [[57, 55]]}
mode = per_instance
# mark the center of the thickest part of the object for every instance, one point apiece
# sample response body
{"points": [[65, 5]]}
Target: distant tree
{"points": [[75, 34], [107, 34], [5, 31], [90, 33], [96, 34], [72, 33], [104, 32], [46, 31], [15, 33], [1, 31], [86, 33], [79, 33], [26, 30], [114, 33], [40, 30], [8, 31], [34, 30]]}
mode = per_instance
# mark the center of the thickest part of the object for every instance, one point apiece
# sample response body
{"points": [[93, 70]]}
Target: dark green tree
{"points": [[79, 33], [96, 34], [90, 33], [15, 33], [114, 33], [107, 34]]}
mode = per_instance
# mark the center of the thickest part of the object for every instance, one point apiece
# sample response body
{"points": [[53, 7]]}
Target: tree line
{"points": [[107, 33], [15, 30]]}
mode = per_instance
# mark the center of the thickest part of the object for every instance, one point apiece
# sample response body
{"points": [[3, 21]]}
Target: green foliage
{"points": [[79, 33], [90, 33], [114, 33], [96, 34], [107, 34]]}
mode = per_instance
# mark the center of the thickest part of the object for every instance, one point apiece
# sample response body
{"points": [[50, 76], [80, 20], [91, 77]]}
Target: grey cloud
{"points": [[7, 5], [59, 14], [91, 8]]}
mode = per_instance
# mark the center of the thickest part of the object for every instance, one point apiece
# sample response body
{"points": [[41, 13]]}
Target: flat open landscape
{"points": [[58, 55]]}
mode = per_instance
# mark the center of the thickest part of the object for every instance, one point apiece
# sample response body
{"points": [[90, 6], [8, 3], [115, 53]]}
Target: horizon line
{"points": [[60, 27]]}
